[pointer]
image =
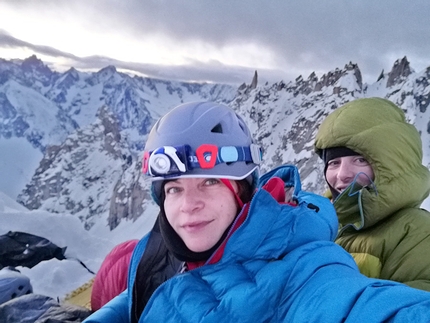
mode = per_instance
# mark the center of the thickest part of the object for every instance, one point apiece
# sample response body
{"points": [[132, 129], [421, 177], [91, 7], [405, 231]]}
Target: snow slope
{"points": [[57, 278]]}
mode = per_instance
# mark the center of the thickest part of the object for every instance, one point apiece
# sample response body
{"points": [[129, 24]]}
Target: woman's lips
{"points": [[195, 226]]}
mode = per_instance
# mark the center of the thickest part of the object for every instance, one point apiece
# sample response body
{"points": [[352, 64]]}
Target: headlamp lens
{"points": [[159, 163], [166, 160]]}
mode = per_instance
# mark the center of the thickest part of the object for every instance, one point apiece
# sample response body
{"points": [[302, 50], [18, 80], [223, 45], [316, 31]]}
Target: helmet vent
{"points": [[217, 128]]}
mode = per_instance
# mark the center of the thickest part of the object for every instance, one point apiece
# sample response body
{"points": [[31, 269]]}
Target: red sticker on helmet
{"points": [[206, 155], [145, 162]]}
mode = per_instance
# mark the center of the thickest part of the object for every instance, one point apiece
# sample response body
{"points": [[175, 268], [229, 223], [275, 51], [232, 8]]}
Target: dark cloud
{"points": [[7, 41], [196, 71], [304, 35], [307, 33]]}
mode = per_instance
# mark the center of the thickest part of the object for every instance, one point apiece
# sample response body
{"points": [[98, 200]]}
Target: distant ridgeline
{"points": [[91, 127]]}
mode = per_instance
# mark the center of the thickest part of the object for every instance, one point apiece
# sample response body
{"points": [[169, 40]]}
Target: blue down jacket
{"points": [[280, 265]]}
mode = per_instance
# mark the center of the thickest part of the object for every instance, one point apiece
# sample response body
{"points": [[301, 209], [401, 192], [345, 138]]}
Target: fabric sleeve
{"points": [[395, 249], [408, 262], [325, 286]]}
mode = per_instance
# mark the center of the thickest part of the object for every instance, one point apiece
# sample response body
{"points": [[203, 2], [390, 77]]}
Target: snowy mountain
{"points": [[95, 172], [71, 146], [285, 117], [40, 107]]}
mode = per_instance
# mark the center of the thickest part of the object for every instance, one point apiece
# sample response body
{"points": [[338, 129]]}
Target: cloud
{"points": [[6, 40], [307, 33], [213, 71], [285, 38]]}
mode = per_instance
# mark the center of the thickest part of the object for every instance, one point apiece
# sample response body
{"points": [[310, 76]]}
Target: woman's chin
{"points": [[198, 246]]}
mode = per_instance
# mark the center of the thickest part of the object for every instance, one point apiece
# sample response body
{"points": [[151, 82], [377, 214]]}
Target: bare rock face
{"points": [[254, 81], [422, 97], [129, 197], [400, 71], [313, 84]]}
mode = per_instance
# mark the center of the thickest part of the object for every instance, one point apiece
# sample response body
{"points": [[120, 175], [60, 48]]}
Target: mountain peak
{"points": [[35, 67], [400, 71], [32, 61], [110, 69], [254, 80]]}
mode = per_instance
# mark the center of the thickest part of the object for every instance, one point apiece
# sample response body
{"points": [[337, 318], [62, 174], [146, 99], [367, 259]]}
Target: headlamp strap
{"points": [[206, 156], [210, 155]]}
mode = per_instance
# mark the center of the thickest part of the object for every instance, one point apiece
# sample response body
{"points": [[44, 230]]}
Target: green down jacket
{"points": [[382, 225]]}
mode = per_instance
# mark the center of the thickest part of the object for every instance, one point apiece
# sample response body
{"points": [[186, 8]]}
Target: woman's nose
{"points": [[191, 201], [346, 172]]}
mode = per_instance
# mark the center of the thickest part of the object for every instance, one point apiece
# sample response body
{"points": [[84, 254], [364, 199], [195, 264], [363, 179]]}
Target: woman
{"points": [[373, 167], [259, 259]]}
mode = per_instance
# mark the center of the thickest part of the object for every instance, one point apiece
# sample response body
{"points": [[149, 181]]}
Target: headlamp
{"points": [[159, 164], [166, 160], [171, 161]]}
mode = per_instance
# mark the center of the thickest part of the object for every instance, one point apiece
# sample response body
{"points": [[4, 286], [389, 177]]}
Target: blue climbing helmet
{"points": [[13, 284], [200, 139]]}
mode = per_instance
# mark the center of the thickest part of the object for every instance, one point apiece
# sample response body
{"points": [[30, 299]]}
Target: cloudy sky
{"points": [[218, 40]]}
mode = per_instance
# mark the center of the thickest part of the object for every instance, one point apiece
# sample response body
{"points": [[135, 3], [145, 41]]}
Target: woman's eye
{"points": [[171, 190], [333, 162], [211, 181], [363, 160]]}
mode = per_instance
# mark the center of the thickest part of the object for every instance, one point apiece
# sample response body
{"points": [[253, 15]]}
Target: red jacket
{"points": [[111, 279]]}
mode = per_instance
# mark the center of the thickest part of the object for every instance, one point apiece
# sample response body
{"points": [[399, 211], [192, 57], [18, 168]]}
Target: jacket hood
{"points": [[377, 129], [284, 227]]}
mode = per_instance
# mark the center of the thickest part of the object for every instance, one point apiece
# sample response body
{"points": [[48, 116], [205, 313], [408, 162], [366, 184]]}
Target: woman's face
{"points": [[341, 172], [199, 210]]}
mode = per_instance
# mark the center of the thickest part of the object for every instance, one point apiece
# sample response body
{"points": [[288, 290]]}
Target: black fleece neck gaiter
{"points": [[177, 246]]}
